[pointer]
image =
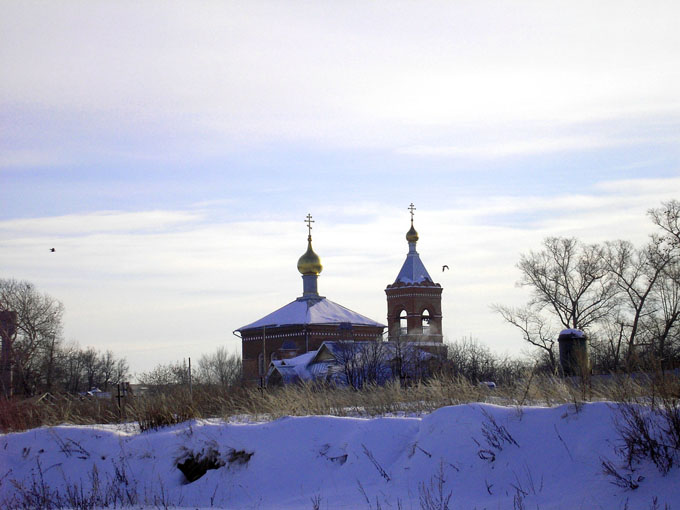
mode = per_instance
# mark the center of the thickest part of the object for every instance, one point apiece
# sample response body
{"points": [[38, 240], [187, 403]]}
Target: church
{"points": [[311, 321]]}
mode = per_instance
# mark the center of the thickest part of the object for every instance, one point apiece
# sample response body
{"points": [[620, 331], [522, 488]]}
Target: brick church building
{"points": [[413, 312]]}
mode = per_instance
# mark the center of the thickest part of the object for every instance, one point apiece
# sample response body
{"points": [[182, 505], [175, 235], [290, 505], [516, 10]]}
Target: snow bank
{"points": [[489, 456]]}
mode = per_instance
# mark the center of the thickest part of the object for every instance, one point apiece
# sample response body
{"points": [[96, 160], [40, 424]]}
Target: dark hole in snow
{"points": [[195, 465], [341, 459]]}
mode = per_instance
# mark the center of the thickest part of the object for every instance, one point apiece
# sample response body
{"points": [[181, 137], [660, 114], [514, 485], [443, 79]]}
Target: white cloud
{"points": [[529, 146], [30, 158], [97, 222], [641, 187], [341, 73], [511, 148]]}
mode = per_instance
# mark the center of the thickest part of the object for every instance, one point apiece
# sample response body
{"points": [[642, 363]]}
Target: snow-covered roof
{"points": [[288, 373], [309, 366], [293, 368], [572, 332], [413, 270], [387, 350], [318, 310]]}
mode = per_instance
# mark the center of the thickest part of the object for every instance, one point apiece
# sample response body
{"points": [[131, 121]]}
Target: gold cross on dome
{"points": [[411, 208], [309, 222]]}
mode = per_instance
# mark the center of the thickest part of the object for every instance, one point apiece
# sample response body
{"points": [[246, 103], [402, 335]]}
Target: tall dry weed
{"points": [[173, 404]]}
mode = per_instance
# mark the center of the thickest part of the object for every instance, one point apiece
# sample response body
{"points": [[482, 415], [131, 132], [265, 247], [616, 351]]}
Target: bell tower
{"points": [[414, 301]]}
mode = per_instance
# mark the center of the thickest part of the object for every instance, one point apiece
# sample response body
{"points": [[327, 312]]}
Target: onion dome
{"points": [[309, 263], [412, 234]]}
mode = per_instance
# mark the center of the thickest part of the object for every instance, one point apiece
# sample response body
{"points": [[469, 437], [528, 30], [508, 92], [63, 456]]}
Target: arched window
{"points": [[425, 321], [403, 323], [274, 356]]}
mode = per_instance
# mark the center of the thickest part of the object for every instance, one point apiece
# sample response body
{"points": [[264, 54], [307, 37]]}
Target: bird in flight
{"points": [[52, 250], [444, 267]]}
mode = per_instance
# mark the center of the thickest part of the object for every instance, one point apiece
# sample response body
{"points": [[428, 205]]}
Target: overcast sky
{"points": [[170, 151]]}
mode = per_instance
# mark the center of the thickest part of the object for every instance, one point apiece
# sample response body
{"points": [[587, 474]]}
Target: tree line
{"points": [[41, 360], [219, 368], [625, 297]]}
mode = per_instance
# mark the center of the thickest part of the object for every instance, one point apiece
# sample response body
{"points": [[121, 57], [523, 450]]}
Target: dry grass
{"points": [[175, 404], [21, 414]]}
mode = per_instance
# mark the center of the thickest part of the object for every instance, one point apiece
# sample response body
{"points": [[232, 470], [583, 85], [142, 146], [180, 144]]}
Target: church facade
{"points": [[302, 326]]}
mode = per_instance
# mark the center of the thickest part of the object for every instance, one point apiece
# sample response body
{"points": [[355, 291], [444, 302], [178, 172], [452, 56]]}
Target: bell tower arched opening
{"points": [[425, 322], [403, 323]]}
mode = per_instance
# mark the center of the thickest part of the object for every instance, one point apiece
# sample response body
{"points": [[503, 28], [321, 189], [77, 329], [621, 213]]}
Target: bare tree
{"points": [[107, 369], [362, 362], [38, 331], [42, 362], [475, 362], [165, 375], [409, 362], [346, 355], [664, 325], [535, 328], [608, 345], [571, 284], [627, 298], [121, 371], [373, 357], [72, 368], [570, 280], [91, 366], [667, 218], [637, 273], [219, 368]]}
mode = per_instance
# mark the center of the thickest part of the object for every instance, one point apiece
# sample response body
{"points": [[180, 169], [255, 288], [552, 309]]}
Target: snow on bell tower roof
{"points": [[413, 270]]}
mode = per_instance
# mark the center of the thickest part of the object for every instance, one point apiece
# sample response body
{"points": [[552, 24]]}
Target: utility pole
{"points": [[263, 369], [8, 331], [118, 397], [190, 389]]}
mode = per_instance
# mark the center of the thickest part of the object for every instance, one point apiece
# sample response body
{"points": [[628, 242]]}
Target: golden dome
{"points": [[309, 263], [412, 235]]}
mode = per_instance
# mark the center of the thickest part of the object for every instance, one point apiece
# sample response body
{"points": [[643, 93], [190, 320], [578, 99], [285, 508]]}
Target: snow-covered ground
{"points": [[488, 457]]}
